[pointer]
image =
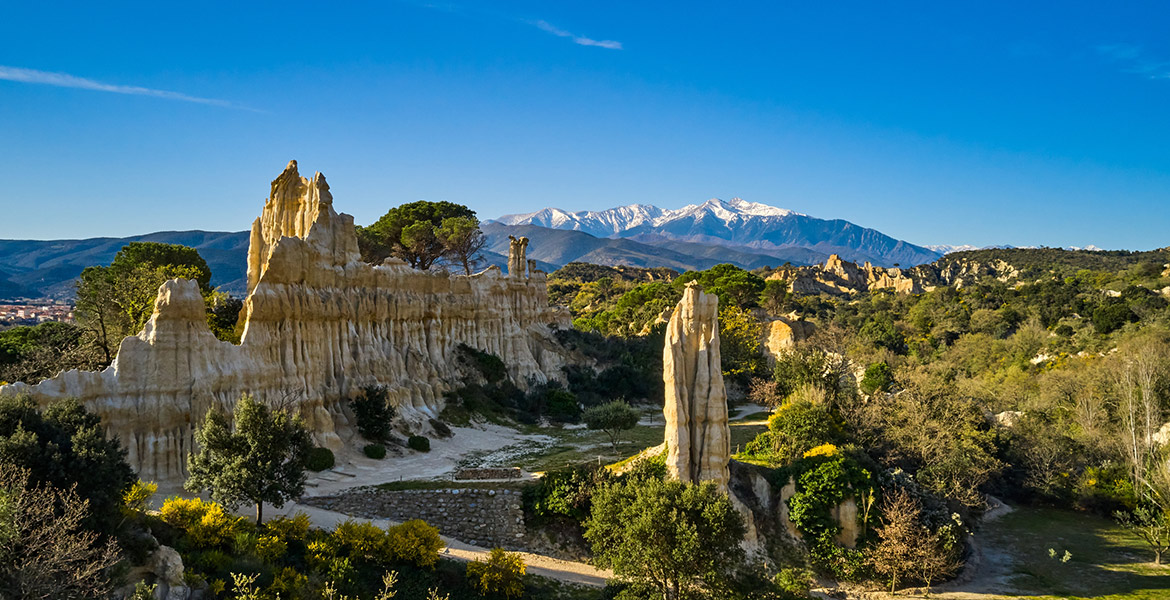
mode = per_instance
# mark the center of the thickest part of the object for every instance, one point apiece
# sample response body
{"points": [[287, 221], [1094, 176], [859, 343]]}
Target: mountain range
{"points": [[698, 236], [748, 227]]}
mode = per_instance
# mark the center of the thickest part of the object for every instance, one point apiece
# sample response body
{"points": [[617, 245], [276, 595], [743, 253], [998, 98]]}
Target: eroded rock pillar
{"points": [[697, 436]]}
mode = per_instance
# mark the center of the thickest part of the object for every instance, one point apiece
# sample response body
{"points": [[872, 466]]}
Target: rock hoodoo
{"points": [[697, 436], [318, 323]]}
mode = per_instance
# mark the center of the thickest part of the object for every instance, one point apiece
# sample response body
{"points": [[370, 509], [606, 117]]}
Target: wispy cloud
{"points": [[72, 81], [541, 24], [1134, 60], [577, 39]]}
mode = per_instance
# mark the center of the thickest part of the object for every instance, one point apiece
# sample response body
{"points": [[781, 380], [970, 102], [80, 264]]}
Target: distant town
{"points": [[30, 311]]}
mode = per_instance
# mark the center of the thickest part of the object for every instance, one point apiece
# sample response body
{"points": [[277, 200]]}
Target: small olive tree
{"points": [[261, 460], [612, 418]]}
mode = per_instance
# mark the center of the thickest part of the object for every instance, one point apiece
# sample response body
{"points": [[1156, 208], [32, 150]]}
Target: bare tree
{"points": [[45, 553], [1137, 380], [908, 547]]}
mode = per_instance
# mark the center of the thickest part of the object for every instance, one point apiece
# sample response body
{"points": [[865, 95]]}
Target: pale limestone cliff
{"points": [[782, 334], [697, 436], [840, 277], [317, 324]]}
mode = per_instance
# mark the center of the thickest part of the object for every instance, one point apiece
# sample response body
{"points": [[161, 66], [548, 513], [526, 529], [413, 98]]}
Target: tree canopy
{"points": [[421, 233], [65, 446], [116, 301], [681, 539], [262, 459]]}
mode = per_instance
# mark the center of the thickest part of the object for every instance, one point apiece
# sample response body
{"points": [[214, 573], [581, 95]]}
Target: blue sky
{"points": [[936, 122]]}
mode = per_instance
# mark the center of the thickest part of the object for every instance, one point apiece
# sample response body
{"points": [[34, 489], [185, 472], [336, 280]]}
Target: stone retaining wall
{"points": [[477, 516], [488, 473]]}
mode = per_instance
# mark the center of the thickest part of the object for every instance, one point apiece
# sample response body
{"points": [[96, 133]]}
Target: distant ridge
{"points": [[748, 227]]}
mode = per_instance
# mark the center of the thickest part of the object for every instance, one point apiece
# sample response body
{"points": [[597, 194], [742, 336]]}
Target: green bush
{"points": [[375, 451], [878, 377], [502, 574], [320, 459], [373, 413], [799, 426], [420, 443], [795, 582], [565, 492]]}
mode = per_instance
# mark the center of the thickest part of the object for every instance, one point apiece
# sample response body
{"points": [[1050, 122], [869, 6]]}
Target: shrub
{"points": [[566, 492], [270, 548], [375, 451], [206, 524], [320, 459], [288, 583], [561, 405], [502, 574], [414, 542], [878, 377], [795, 581], [137, 498], [294, 529], [799, 426], [361, 541], [212, 561], [373, 413], [420, 443]]}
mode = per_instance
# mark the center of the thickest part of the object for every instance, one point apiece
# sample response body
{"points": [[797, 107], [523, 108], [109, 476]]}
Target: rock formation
{"points": [[518, 256], [839, 277], [782, 334], [697, 436], [318, 323]]}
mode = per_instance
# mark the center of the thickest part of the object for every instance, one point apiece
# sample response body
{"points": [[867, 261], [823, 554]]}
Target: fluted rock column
{"points": [[697, 436]]}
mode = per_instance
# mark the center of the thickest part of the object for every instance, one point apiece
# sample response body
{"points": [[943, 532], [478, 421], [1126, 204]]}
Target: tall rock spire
{"points": [[697, 437]]}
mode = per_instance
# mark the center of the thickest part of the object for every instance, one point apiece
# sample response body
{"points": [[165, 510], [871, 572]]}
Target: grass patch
{"points": [[576, 446], [742, 433], [1107, 561]]}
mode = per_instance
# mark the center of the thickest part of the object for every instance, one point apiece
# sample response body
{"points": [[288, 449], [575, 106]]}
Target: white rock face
{"points": [[318, 324], [697, 436]]}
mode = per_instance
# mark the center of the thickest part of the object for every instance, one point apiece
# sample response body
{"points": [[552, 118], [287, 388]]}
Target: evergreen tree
{"points": [[262, 460]]}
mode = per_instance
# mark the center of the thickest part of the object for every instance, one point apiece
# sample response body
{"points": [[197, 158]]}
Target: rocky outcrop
{"points": [[318, 323], [697, 436], [782, 334], [840, 277]]}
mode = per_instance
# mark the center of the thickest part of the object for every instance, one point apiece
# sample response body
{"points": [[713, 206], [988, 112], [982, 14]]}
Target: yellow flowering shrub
{"points": [[822, 450], [137, 498], [289, 529], [270, 548], [415, 542], [502, 574], [207, 524]]}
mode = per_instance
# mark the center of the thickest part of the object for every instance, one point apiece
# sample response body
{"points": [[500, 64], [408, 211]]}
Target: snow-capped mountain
{"points": [[737, 224]]}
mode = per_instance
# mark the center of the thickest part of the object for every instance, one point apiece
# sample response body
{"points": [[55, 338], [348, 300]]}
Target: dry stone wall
{"points": [[484, 517], [318, 323]]}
